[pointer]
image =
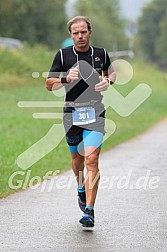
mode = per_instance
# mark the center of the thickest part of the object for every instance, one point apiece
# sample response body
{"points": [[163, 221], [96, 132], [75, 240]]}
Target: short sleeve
{"points": [[56, 67]]}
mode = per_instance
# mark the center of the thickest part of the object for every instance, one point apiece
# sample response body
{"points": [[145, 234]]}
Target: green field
{"points": [[19, 130]]}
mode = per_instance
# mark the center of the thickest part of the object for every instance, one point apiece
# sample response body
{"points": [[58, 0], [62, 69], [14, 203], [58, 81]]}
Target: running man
{"points": [[84, 71]]}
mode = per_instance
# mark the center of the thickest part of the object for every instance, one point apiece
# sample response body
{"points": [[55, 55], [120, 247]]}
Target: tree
{"points": [[161, 43], [153, 32], [34, 21], [107, 26]]}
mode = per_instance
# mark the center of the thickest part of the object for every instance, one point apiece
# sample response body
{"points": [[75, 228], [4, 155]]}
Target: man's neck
{"points": [[84, 49]]}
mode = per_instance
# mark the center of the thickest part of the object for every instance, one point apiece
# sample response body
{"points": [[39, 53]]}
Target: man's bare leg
{"points": [[93, 175], [78, 167], [91, 182]]}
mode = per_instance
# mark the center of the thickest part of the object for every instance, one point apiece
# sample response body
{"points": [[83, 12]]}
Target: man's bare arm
{"points": [[53, 84], [111, 74], [56, 83]]}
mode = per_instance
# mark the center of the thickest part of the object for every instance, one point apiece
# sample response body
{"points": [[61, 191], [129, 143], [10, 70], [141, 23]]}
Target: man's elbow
{"points": [[48, 85], [48, 88]]}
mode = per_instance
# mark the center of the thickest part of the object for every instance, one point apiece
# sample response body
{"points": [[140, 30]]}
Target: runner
{"points": [[84, 71]]}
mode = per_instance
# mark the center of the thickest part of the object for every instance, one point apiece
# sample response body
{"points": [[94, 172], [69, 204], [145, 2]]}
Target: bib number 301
{"points": [[84, 115]]}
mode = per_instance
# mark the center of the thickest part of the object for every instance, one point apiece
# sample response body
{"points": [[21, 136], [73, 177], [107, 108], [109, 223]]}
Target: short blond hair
{"points": [[79, 19]]}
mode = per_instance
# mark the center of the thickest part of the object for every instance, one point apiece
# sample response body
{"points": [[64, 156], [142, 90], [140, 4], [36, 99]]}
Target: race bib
{"points": [[84, 115]]}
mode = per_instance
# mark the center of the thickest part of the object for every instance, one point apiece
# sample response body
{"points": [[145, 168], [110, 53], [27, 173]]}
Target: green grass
{"points": [[19, 130], [150, 112]]}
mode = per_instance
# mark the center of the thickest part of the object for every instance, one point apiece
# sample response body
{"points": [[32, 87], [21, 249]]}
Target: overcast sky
{"points": [[130, 9]]}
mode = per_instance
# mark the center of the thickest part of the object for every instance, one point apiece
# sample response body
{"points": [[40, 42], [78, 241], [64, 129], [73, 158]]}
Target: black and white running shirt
{"points": [[91, 64]]}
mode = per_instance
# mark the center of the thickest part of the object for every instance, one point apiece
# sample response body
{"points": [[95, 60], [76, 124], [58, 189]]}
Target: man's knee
{"points": [[76, 157], [92, 160]]}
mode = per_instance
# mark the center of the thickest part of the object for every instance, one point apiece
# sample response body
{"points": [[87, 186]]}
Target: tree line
{"points": [[33, 21], [152, 27], [45, 21]]}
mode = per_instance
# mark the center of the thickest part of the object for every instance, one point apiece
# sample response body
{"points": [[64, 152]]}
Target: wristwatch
{"points": [[110, 82], [63, 81]]}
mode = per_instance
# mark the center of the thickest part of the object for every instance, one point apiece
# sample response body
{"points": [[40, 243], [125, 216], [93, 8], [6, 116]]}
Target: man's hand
{"points": [[102, 85], [72, 75]]}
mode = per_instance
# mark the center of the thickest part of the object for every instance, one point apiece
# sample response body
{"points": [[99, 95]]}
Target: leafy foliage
{"points": [[45, 22], [153, 32], [33, 21]]}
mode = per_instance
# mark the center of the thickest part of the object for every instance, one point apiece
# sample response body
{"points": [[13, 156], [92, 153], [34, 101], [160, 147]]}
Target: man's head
{"points": [[80, 29], [78, 19]]}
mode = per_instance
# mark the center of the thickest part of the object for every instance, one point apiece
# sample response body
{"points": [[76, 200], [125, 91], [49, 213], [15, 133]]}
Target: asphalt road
{"points": [[130, 211]]}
